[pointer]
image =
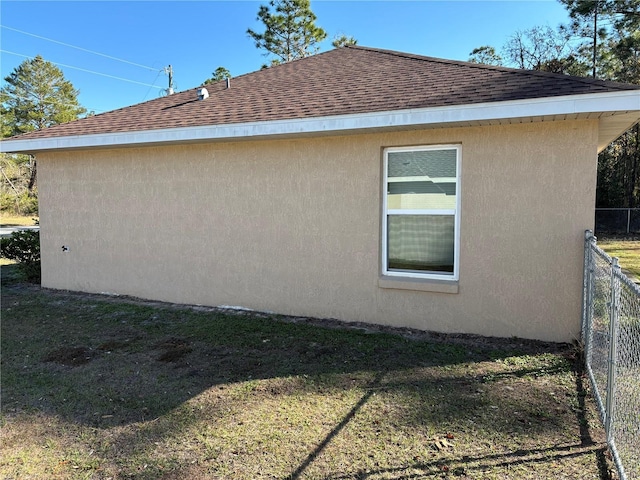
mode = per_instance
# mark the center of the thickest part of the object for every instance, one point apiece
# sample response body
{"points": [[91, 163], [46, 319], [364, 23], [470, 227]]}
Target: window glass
{"points": [[421, 242], [421, 212], [423, 179]]}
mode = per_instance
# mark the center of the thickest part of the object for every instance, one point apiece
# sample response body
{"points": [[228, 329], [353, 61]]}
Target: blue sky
{"points": [[196, 37]]}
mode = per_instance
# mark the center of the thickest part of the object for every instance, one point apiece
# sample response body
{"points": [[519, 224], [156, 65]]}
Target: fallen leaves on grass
{"points": [[442, 443]]}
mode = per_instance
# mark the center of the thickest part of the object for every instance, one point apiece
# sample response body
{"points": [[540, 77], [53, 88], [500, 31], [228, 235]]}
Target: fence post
{"points": [[589, 240], [613, 345]]}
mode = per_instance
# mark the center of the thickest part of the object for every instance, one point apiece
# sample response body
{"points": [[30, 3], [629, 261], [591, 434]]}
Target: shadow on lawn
{"points": [[103, 363], [461, 465]]}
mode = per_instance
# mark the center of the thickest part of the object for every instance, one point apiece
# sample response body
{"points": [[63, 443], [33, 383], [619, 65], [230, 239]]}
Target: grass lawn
{"points": [[627, 251], [97, 387]]}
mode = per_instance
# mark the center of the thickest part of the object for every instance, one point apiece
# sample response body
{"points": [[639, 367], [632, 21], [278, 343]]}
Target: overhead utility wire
{"points": [[88, 71], [154, 81], [80, 48]]}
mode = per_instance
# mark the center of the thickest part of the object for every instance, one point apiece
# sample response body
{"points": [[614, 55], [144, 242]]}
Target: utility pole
{"points": [[169, 71]]}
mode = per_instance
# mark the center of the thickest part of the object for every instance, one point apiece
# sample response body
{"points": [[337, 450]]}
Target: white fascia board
{"points": [[624, 101]]}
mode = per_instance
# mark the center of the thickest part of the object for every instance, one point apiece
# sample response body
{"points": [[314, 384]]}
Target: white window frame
{"points": [[454, 276]]}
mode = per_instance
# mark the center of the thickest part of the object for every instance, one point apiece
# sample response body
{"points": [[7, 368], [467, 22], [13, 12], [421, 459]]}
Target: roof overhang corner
{"points": [[610, 127]]}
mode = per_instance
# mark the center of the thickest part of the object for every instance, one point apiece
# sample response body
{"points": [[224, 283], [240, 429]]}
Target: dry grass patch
{"points": [[10, 220], [256, 397]]}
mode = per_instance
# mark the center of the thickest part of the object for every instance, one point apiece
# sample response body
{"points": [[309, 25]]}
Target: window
{"points": [[421, 212]]}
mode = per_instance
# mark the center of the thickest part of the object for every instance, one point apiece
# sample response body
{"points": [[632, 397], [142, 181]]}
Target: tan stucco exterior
{"points": [[293, 226]]}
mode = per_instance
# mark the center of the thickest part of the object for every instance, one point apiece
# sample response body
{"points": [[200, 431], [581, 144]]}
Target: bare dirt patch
{"points": [[173, 349], [70, 356]]}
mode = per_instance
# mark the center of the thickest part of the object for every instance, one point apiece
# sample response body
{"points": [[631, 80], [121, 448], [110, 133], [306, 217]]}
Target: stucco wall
{"points": [[293, 226]]}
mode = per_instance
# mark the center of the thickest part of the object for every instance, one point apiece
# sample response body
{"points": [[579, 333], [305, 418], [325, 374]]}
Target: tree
{"points": [[619, 172], [486, 55], [603, 41], [610, 30], [543, 48], [586, 15], [622, 63], [343, 40], [539, 48], [220, 73], [290, 30], [608, 25], [35, 96], [7, 118]]}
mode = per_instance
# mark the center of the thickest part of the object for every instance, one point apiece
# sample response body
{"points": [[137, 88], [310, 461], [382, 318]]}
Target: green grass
{"points": [[101, 387], [627, 251]]}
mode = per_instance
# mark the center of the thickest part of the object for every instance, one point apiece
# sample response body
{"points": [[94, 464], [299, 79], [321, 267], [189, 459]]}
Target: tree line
{"points": [[602, 41]]}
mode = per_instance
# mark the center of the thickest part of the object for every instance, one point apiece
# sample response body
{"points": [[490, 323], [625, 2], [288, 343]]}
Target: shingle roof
{"points": [[348, 80]]}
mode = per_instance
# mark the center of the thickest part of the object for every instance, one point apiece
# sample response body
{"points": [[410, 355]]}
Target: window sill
{"points": [[419, 284]]}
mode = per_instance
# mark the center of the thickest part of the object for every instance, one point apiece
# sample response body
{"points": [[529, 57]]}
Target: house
{"points": [[359, 184]]}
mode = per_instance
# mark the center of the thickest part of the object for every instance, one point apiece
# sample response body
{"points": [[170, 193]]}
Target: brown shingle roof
{"points": [[347, 80]]}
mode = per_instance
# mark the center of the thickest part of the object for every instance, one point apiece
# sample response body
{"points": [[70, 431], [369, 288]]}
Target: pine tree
{"points": [[290, 30], [35, 96], [220, 73], [343, 40], [485, 55]]}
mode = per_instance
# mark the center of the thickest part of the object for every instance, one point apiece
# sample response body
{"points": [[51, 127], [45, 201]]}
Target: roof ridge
{"points": [[499, 68], [282, 64]]}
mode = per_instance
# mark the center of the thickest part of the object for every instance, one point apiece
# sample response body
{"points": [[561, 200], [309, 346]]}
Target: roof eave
{"points": [[616, 112]]}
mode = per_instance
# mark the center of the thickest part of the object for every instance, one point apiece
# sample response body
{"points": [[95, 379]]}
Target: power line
{"points": [[154, 81], [87, 71], [79, 48]]}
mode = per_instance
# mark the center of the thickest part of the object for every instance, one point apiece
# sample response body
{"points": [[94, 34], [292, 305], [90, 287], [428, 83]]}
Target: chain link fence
{"points": [[617, 221], [611, 338]]}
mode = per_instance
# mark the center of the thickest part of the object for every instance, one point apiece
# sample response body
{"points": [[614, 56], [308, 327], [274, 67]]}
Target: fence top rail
{"points": [[627, 282], [604, 255], [618, 208]]}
